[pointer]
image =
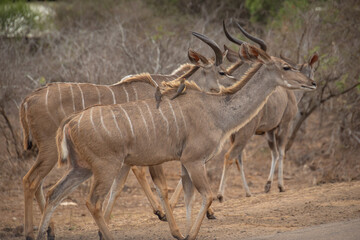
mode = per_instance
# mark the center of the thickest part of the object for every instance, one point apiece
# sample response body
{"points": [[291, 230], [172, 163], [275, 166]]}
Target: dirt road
{"points": [[237, 218]]}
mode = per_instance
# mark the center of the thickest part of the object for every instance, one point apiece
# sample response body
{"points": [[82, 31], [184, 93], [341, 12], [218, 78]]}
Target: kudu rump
{"points": [[191, 129]]}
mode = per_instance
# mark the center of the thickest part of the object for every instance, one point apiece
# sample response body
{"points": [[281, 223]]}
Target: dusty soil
{"points": [[305, 203]]}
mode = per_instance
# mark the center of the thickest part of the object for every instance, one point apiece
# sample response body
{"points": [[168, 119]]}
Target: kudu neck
{"points": [[237, 109]]}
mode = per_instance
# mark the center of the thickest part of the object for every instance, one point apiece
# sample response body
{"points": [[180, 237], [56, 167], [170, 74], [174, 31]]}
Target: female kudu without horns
{"points": [[191, 129]]}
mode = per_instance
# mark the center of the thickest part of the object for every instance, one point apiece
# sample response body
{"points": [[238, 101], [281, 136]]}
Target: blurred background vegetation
{"points": [[102, 41]]}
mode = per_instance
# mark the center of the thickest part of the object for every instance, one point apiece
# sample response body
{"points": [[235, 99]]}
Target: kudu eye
{"points": [[286, 68], [222, 73]]}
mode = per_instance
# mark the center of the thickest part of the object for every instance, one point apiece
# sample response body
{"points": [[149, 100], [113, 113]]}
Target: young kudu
{"points": [[42, 111], [274, 119], [191, 129]]}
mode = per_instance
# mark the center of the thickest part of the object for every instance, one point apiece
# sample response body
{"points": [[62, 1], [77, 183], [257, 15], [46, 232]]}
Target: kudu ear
{"points": [[313, 59], [231, 56], [251, 53], [197, 59]]}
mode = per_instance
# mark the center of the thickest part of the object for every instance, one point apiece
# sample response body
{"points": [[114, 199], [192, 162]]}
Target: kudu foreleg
{"points": [[197, 174], [281, 144], [176, 195], [140, 175], [175, 198], [158, 177], [274, 158], [233, 155], [241, 168]]}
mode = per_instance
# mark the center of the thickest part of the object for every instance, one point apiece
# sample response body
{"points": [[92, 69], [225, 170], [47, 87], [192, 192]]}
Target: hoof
{"points": [[100, 235], [161, 216], [281, 188], [187, 237], [220, 198], [267, 187], [210, 216], [248, 195], [50, 234], [29, 238]]}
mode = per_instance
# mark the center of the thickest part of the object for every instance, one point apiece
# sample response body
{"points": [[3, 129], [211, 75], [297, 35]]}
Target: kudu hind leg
{"points": [[58, 192], [158, 177], [115, 190], [100, 187], [32, 184], [274, 158]]}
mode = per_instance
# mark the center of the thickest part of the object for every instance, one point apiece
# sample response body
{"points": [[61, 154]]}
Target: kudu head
{"points": [[287, 73], [307, 68], [212, 71], [277, 69]]}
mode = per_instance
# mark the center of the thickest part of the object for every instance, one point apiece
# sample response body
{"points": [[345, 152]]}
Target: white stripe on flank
{"points": [[72, 97], [46, 104], [61, 105], [146, 126], [113, 94], [128, 118], [136, 96], [91, 118], [82, 114], [165, 119], [127, 94], [102, 122], [98, 92], [152, 119], [182, 115], [117, 126], [64, 150], [172, 110], [82, 96]]}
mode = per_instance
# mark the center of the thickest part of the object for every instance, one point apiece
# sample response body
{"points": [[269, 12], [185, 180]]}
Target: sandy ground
{"points": [[238, 217]]}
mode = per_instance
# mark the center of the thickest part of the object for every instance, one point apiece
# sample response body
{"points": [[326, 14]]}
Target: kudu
{"points": [[42, 111], [274, 119], [191, 129]]}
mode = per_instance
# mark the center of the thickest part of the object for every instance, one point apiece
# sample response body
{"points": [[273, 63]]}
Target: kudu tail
{"points": [[63, 142], [27, 141]]}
